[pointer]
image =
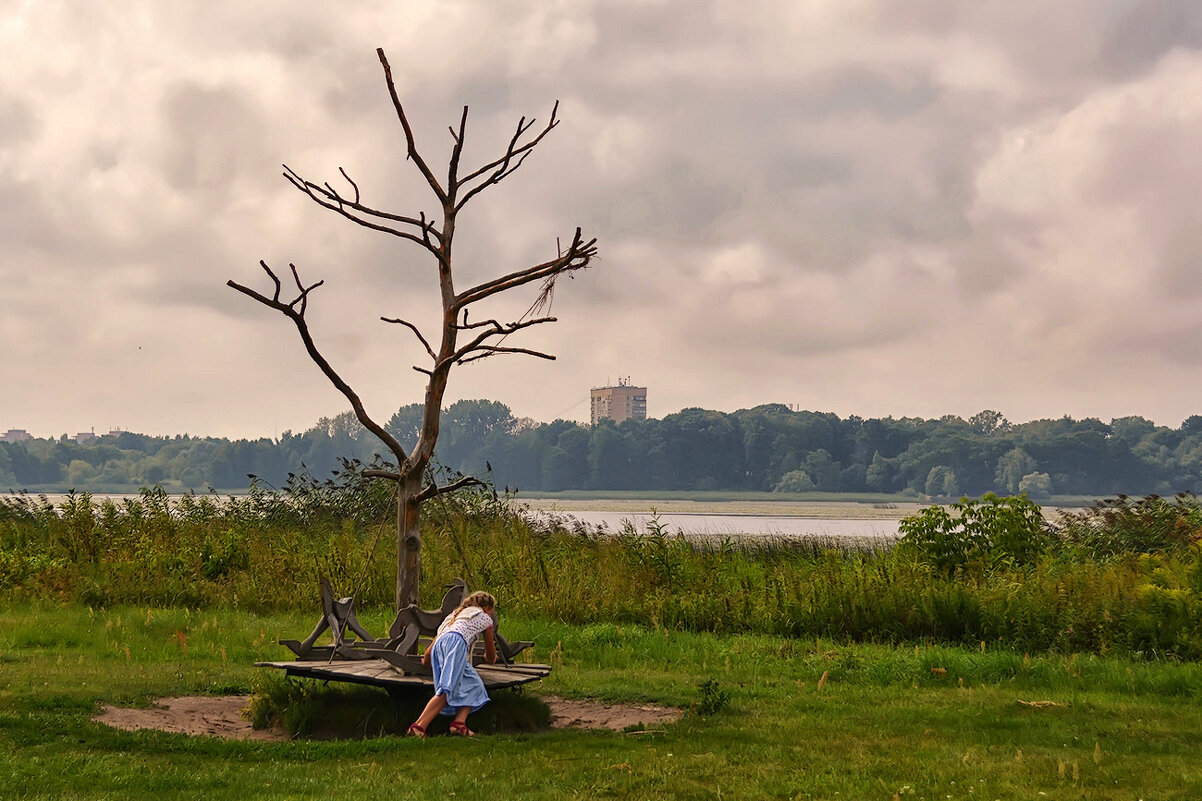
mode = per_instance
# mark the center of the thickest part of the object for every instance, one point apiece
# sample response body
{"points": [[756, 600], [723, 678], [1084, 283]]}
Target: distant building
{"points": [[619, 403], [16, 435], [85, 436]]}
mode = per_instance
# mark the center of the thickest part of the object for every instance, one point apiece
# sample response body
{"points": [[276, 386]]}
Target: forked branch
{"points": [[501, 168], [433, 490], [326, 196], [295, 311], [577, 257], [496, 329]]}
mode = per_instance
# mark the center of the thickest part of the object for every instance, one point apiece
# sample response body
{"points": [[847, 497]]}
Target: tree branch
{"points": [[577, 257], [382, 474], [493, 350], [295, 311], [456, 152], [496, 330], [433, 490], [416, 333], [328, 197], [354, 185], [505, 166], [410, 144]]}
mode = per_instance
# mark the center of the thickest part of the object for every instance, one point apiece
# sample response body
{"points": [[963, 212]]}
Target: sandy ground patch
{"points": [[567, 713], [221, 716], [213, 715]]}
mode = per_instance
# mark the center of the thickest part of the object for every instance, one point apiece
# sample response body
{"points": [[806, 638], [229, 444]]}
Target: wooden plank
{"points": [[379, 673], [527, 666], [498, 679]]}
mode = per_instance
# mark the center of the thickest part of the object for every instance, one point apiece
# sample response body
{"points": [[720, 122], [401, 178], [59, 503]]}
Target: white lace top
{"points": [[470, 624]]}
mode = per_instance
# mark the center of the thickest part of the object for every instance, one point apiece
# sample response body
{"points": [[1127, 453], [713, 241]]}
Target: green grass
{"points": [[883, 724]]}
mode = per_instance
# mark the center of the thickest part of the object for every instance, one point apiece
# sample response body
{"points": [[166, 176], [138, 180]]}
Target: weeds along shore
{"points": [[1125, 576]]}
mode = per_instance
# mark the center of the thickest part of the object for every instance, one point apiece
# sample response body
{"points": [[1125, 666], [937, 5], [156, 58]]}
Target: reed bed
{"points": [[264, 552]]}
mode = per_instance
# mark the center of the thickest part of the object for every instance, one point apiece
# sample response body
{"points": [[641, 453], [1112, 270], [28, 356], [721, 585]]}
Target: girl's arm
{"points": [[490, 647]]}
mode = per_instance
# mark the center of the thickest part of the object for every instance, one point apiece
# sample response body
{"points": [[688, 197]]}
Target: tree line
{"points": [[766, 448]]}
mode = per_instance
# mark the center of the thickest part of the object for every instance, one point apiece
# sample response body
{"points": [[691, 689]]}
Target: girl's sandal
{"points": [[417, 731], [461, 730]]}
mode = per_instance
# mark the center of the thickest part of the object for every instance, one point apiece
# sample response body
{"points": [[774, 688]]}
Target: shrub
{"points": [[991, 530], [713, 699], [1036, 485], [795, 481]]}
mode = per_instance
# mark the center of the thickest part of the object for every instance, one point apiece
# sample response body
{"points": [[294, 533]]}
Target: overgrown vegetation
{"points": [[1125, 576]]}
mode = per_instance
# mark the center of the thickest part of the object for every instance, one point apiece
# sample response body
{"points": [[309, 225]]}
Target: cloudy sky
{"points": [[873, 207]]}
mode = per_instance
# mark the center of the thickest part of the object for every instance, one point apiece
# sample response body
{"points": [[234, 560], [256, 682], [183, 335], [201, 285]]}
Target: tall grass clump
{"points": [[1118, 526], [261, 551]]}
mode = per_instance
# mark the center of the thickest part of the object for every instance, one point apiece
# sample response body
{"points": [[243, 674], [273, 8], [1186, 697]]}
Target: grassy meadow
{"points": [[994, 662], [921, 722]]}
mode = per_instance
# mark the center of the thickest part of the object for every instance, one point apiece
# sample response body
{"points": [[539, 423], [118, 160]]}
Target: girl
{"points": [[458, 689]]}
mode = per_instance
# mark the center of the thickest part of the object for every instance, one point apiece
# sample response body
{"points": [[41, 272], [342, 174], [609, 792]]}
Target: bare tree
{"points": [[481, 339]]}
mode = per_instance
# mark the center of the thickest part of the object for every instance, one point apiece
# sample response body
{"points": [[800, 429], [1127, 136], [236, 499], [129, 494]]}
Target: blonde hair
{"points": [[479, 598]]}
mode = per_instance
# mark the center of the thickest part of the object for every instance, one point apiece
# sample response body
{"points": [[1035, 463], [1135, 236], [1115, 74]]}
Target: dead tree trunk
{"points": [[482, 339], [409, 543]]}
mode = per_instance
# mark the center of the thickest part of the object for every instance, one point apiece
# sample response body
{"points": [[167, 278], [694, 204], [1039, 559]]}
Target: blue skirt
{"points": [[454, 676]]}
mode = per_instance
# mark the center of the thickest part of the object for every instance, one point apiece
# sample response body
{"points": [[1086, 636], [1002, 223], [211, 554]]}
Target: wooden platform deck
{"points": [[379, 673]]}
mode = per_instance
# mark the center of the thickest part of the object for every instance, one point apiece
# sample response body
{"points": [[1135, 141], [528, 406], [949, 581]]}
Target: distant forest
{"points": [[766, 448]]}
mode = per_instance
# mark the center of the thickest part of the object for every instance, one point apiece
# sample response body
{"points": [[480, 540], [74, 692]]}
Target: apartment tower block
{"points": [[618, 403]]}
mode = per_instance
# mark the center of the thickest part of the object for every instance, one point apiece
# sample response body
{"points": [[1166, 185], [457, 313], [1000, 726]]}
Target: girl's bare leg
{"points": [[459, 726], [433, 707]]}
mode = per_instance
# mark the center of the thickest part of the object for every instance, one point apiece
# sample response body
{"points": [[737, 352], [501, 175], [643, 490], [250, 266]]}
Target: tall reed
{"points": [[266, 550]]}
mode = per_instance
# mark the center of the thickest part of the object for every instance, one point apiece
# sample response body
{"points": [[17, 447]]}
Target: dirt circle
{"points": [[221, 716], [570, 714]]}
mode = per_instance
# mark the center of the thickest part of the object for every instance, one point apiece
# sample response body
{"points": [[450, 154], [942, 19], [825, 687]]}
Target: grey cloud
{"points": [[885, 92], [1180, 271], [1142, 31], [18, 122], [799, 169], [211, 139], [640, 27], [983, 267], [841, 189], [1150, 341], [44, 226]]}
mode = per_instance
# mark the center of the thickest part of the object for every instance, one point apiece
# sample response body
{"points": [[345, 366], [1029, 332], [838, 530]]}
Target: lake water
{"points": [[717, 526], [702, 520]]}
